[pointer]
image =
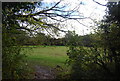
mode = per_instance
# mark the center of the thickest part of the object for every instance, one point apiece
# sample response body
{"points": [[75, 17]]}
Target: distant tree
{"points": [[71, 37], [40, 39], [86, 40]]}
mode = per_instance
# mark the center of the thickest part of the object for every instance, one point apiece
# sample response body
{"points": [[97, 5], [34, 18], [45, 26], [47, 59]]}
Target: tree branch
{"points": [[99, 3], [56, 19], [82, 23], [65, 14], [105, 68], [41, 12], [49, 25]]}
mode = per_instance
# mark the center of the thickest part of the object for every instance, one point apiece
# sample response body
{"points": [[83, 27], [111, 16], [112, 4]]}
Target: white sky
{"points": [[89, 9]]}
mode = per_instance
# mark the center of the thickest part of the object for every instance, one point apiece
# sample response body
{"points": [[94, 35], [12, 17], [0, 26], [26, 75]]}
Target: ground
{"points": [[43, 73]]}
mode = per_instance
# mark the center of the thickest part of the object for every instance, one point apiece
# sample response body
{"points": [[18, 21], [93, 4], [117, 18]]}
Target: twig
{"points": [[99, 3]]}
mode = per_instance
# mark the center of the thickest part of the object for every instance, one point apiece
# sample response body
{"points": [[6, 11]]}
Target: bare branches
{"points": [[99, 3], [40, 12], [49, 25], [81, 23], [43, 11], [56, 19], [55, 13], [61, 13]]}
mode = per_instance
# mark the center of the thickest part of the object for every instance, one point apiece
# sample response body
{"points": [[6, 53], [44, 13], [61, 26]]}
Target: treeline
{"points": [[42, 39]]}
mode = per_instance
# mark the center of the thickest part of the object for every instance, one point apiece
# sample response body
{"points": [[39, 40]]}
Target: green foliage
{"points": [[101, 61], [15, 16], [85, 40], [111, 37], [40, 39], [13, 61], [89, 62], [72, 39]]}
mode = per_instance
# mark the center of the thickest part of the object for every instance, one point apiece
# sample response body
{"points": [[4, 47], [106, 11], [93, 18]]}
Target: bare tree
{"points": [[49, 18]]}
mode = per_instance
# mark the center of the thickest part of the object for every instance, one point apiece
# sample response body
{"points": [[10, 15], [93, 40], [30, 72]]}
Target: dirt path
{"points": [[44, 73]]}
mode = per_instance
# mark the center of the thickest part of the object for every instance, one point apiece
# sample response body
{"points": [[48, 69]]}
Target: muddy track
{"points": [[44, 73]]}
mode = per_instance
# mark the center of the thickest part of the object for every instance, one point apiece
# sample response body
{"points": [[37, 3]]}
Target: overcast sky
{"points": [[89, 9]]}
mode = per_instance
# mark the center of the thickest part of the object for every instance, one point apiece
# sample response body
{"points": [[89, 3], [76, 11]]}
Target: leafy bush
{"points": [[13, 60], [89, 62]]}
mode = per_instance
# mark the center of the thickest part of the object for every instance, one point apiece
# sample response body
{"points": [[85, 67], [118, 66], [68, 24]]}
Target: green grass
{"points": [[46, 55]]}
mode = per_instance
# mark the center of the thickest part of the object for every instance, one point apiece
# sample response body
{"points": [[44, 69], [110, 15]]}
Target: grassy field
{"points": [[46, 55]]}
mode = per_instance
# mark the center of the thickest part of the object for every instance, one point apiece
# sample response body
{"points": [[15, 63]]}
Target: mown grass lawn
{"points": [[49, 56]]}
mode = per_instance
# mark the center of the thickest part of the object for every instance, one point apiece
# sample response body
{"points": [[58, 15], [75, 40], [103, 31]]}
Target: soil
{"points": [[44, 73]]}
